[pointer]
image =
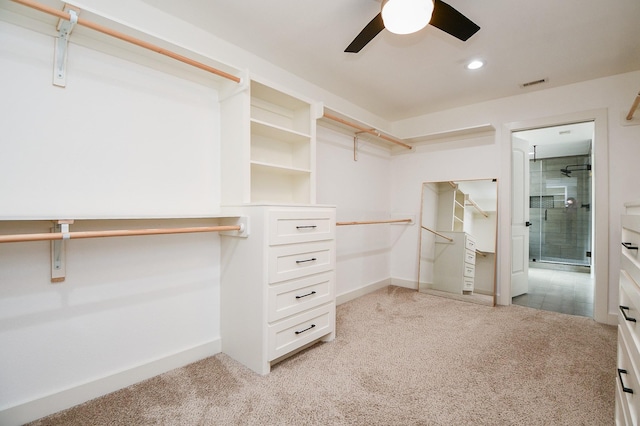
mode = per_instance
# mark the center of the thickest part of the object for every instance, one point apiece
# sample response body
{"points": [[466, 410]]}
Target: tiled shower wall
{"points": [[560, 231]]}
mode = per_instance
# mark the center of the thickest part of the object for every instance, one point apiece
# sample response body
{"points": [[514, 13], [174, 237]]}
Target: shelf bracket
{"points": [[58, 251], [61, 48], [356, 141]]}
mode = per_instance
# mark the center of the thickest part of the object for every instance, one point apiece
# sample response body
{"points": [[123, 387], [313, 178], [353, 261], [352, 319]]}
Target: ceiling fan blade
{"points": [[366, 35], [451, 21]]}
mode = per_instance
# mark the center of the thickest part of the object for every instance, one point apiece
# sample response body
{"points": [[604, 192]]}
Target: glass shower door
{"points": [[561, 211]]}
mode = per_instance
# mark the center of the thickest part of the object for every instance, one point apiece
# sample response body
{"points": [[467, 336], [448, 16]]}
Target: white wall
{"points": [[127, 302], [121, 140], [480, 157], [360, 191]]}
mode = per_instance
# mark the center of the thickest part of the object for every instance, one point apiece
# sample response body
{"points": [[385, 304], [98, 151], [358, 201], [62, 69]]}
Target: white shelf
{"points": [[272, 131], [278, 169]]}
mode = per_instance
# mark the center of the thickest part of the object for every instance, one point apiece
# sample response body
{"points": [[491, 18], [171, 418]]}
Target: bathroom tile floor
{"points": [[559, 291]]}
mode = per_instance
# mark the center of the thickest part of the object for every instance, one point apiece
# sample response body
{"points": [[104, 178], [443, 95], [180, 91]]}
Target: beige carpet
{"points": [[399, 358]]}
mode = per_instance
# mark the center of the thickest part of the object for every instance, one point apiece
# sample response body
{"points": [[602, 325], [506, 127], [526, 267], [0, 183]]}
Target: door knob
{"points": [[527, 223]]}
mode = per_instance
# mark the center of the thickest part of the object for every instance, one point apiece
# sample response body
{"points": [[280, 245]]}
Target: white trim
{"points": [[354, 294], [600, 242], [413, 285], [68, 398]]}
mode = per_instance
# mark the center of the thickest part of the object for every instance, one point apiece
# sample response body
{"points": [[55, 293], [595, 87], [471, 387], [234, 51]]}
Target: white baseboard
{"points": [[413, 285], [68, 398], [354, 294]]}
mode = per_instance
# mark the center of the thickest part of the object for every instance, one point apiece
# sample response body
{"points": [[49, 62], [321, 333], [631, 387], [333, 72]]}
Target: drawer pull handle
{"points": [[624, 389], [630, 246], [313, 325], [306, 226], [305, 295], [624, 314], [313, 259]]}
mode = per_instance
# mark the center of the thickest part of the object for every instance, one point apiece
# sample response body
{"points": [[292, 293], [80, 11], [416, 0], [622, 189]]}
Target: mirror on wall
{"points": [[458, 240]]}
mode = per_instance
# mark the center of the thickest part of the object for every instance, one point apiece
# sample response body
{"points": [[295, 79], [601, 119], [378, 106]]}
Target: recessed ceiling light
{"points": [[475, 64]]}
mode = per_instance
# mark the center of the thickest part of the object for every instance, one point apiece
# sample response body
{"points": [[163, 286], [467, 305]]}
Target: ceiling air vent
{"points": [[534, 82]]}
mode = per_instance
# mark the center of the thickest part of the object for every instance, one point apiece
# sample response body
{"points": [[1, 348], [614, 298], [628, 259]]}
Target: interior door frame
{"points": [[600, 187]]}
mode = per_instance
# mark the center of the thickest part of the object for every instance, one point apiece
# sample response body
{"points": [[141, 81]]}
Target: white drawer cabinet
{"points": [[628, 364], [278, 284], [454, 263]]}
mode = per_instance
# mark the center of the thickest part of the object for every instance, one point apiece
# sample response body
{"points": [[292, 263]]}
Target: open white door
{"points": [[519, 216]]}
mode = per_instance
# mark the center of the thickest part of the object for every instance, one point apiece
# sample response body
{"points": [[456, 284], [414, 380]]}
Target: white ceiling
{"points": [[401, 76], [559, 141]]}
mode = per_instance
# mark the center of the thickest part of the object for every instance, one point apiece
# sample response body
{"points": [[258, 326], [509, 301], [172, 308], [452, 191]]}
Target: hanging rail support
{"points": [[437, 233], [127, 38], [634, 107], [365, 130], [355, 147], [58, 251], [62, 47], [356, 141]]}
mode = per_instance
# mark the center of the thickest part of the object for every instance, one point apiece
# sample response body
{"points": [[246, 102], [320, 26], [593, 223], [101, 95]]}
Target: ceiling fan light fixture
{"points": [[406, 16]]}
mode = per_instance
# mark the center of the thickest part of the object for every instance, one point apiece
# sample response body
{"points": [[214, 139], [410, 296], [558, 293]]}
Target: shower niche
{"points": [[560, 210]]}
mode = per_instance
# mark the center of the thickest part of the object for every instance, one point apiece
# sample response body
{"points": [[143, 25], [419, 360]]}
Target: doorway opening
{"points": [[560, 219]]}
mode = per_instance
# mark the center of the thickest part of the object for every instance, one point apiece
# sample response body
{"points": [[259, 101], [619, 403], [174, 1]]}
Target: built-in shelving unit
{"points": [[268, 142], [278, 288], [451, 202]]}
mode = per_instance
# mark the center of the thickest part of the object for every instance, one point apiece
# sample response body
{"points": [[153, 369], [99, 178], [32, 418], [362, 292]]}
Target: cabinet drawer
{"points": [[627, 379], [287, 227], [297, 331], [470, 257], [631, 222], [467, 284], [298, 260], [470, 243], [629, 307], [622, 409], [293, 297], [469, 270]]}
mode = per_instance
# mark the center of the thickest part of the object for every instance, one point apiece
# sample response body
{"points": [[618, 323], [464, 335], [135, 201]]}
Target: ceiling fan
{"points": [[418, 13]]}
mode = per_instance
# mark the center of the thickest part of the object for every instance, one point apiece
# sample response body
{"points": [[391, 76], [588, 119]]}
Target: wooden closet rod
{"points": [[124, 37], [373, 222], [477, 207], [634, 107], [481, 253], [115, 233], [437, 233], [364, 129]]}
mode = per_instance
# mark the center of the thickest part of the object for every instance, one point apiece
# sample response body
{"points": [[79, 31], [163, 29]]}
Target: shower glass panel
{"points": [[560, 210]]}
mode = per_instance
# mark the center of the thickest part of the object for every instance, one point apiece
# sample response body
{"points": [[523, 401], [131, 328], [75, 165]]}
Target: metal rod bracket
{"points": [[58, 251], [61, 48], [242, 221]]}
